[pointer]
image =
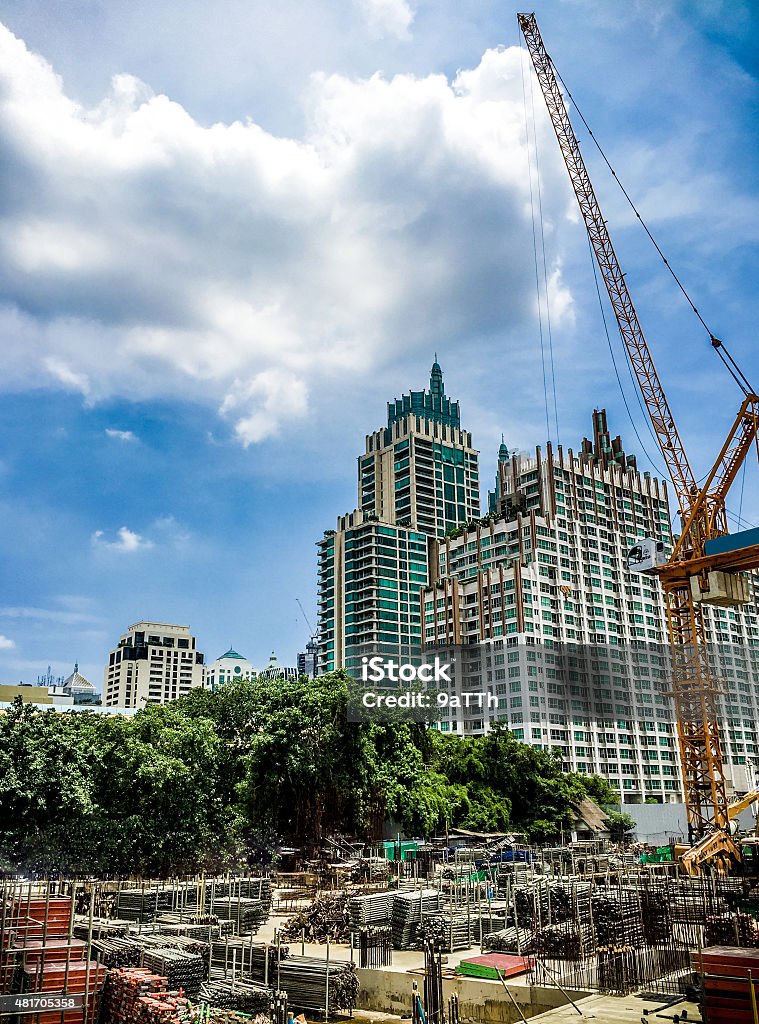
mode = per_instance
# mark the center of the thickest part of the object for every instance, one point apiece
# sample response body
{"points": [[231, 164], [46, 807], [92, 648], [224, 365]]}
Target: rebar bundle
{"points": [[375, 945], [618, 969], [559, 942], [732, 930], [657, 919], [617, 919]]}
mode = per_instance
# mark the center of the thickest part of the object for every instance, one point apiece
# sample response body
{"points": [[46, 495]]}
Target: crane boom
{"points": [[657, 405], [702, 510]]}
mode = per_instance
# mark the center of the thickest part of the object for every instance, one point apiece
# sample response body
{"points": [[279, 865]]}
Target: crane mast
{"points": [[702, 509]]}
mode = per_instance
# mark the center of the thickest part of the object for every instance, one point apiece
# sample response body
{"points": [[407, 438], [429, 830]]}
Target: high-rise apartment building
{"points": [[153, 663], [572, 647], [418, 478], [549, 622], [534, 601]]}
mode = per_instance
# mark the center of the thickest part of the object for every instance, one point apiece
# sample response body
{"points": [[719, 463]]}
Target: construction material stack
{"points": [[730, 978], [40, 955]]}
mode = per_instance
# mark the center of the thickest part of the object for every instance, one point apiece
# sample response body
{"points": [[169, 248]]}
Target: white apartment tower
{"points": [[570, 645], [154, 663]]}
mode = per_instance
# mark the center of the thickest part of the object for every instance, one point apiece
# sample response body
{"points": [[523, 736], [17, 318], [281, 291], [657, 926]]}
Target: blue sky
{"points": [[232, 231]]}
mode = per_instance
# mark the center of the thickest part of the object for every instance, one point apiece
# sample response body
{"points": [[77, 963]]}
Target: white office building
{"points": [[154, 662]]}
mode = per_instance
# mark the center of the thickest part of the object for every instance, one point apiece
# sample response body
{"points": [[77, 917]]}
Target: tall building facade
{"points": [[308, 660], [571, 647], [417, 479], [154, 662], [421, 471]]}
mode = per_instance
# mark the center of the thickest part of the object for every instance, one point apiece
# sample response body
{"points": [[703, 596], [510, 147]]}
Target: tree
{"points": [[620, 826]]}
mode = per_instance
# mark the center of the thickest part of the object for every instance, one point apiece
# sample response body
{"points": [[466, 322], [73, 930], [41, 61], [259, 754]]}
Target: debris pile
{"points": [[326, 918]]}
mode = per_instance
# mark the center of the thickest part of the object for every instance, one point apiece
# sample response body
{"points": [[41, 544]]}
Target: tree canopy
{"points": [[215, 779]]}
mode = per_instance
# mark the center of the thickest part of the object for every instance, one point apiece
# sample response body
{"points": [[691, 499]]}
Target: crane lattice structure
{"points": [[697, 572]]}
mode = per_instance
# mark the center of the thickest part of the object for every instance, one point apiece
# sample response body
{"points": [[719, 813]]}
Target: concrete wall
{"points": [[658, 823], [387, 991]]}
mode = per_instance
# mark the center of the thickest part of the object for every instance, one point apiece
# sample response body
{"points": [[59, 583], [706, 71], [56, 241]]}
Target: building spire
{"points": [[436, 378]]}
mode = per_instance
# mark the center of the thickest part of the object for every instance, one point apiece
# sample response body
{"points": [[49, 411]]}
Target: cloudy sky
{"points": [[231, 231]]}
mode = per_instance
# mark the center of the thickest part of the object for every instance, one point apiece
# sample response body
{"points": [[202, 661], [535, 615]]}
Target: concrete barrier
{"points": [[480, 1000]]}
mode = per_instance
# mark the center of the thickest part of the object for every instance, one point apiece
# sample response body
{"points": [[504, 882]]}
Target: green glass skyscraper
{"points": [[417, 479]]}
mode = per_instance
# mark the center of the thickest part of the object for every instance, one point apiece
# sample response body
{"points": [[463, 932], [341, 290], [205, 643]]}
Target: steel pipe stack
{"points": [[371, 908], [247, 914], [242, 996], [182, 970], [314, 984], [410, 909]]}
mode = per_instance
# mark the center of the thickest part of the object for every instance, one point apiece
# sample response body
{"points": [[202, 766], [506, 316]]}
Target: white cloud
{"points": [[273, 393], [127, 541], [387, 17], [5, 643], [120, 435], [147, 256], [70, 379]]}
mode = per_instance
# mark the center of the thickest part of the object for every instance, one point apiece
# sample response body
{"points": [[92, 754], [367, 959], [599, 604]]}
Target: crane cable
{"points": [[656, 468], [737, 519], [719, 346]]}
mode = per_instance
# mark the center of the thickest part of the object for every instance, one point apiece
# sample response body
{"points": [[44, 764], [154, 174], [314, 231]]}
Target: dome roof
{"points": [[77, 683], [232, 655]]}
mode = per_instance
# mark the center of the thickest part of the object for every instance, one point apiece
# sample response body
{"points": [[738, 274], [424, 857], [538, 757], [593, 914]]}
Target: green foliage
{"points": [[620, 825], [214, 778]]}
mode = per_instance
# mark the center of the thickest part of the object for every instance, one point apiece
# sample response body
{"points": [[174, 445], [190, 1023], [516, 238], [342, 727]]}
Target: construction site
{"points": [[485, 930], [488, 931]]}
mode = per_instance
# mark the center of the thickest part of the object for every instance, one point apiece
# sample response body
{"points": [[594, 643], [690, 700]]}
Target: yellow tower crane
{"points": [[707, 563]]}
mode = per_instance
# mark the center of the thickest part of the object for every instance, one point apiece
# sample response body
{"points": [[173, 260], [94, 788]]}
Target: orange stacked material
{"points": [[78, 978], [124, 987], [31, 951], [731, 983], [170, 1008], [35, 917], [24, 919]]}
